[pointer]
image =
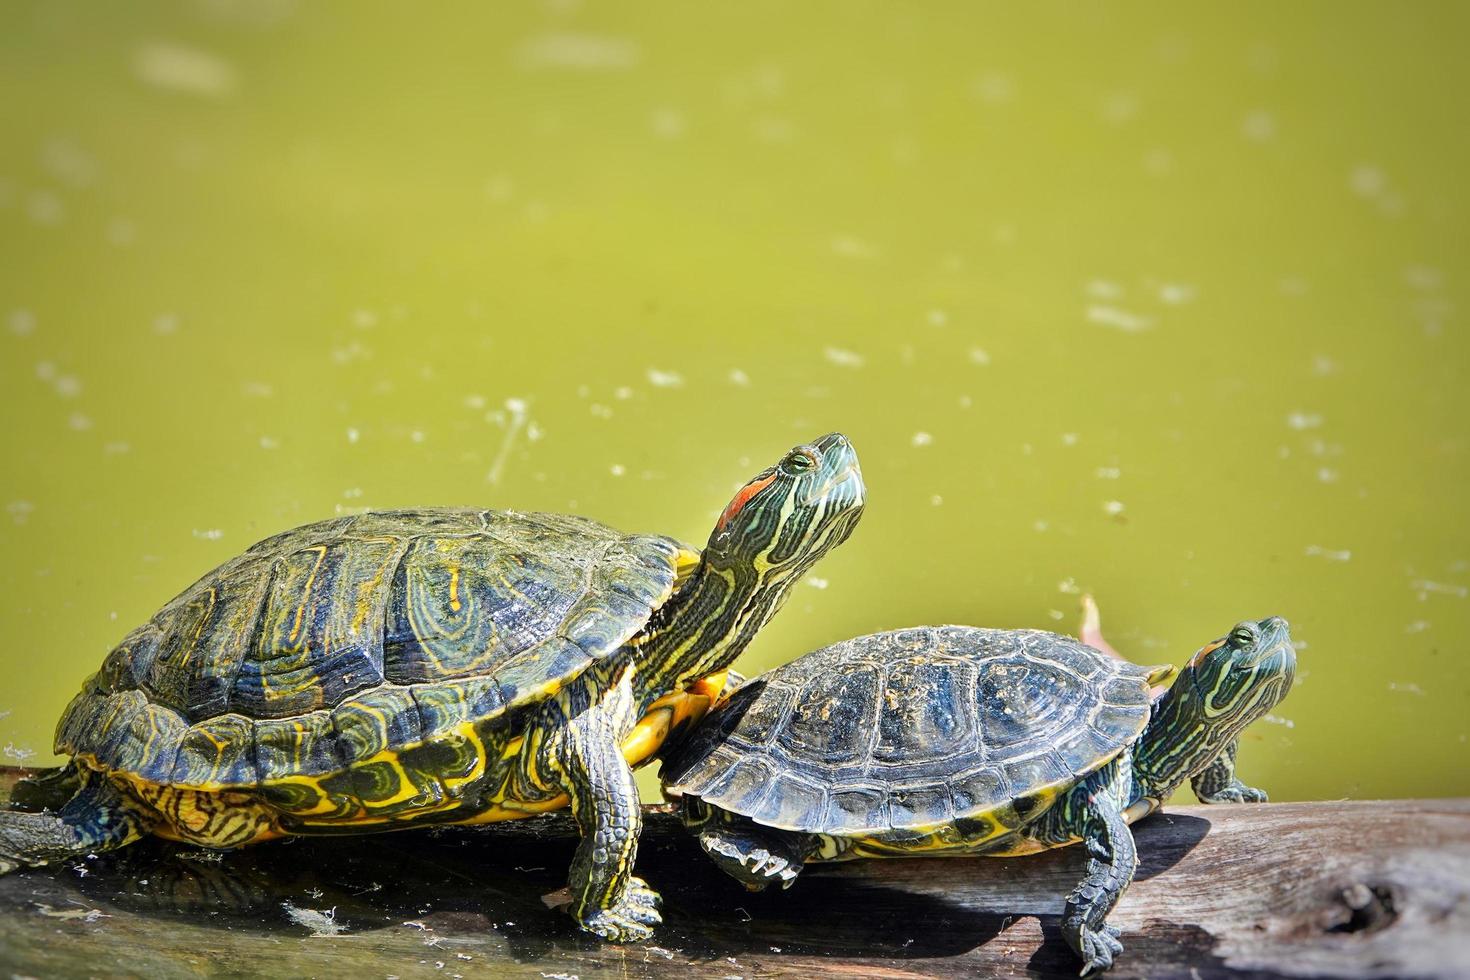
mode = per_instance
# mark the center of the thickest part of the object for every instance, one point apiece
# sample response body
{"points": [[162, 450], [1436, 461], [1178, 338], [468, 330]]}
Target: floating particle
{"points": [[1258, 125], [364, 319], [936, 500], [353, 436], [1175, 293], [579, 52], [843, 358], [1112, 507], [45, 208], [1425, 587], [1108, 472], [1103, 289], [966, 401], [67, 386], [978, 355], [1317, 551], [499, 188], [209, 534], [1367, 180], [739, 378], [79, 422], [1069, 438], [269, 442], [475, 402], [1417, 626], [22, 322], [184, 69], [667, 123], [851, 247], [1069, 586], [121, 232], [321, 922], [1327, 474], [20, 510], [1111, 316], [1301, 421], [994, 87], [165, 324], [665, 379], [921, 439], [623, 393], [117, 447], [617, 469], [1406, 687], [937, 318], [45, 371]]}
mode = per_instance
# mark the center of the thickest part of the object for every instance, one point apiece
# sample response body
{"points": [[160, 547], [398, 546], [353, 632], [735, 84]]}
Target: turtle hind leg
{"points": [[753, 855], [1217, 782], [97, 818], [1110, 866]]}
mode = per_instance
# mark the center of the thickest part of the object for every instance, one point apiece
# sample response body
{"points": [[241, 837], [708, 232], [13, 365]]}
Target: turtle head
{"points": [[793, 512], [1224, 687]]}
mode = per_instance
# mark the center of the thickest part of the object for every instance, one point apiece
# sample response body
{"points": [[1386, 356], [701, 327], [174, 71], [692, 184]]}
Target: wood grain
{"points": [[1342, 889]]}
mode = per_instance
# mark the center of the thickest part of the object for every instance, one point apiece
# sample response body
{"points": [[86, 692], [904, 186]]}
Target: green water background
{"points": [[1163, 303]]}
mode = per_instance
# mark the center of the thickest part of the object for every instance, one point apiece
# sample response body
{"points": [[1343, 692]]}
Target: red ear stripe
{"points": [[743, 497], [1204, 652]]}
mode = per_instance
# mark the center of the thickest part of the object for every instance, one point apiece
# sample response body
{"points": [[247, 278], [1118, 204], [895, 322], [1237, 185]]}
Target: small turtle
{"points": [[444, 666], [954, 741]]}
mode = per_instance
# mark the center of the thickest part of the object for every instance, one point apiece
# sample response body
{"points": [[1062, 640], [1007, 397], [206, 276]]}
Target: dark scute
{"points": [[919, 806], [374, 782], [793, 804], [127, 666], [833, 717], [383, 718], [764, 714], [691, 761], [1126, 691], [924, 712], [744, 787], [305, 744], [448, 757], [858, 809], [979, 790], [1020, 700], [442, 706], [1033, 772], [1121, 724], [1086, 749], [550, 661]]}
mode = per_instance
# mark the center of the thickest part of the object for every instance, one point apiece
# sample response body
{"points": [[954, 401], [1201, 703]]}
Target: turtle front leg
{"points": [[753, 855], [97, 818], [1110, 866], [1217, 782], [585, 760]]}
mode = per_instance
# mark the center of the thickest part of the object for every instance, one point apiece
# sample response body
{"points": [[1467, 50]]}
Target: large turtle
{"points": [[448, 666], [953, 740]]}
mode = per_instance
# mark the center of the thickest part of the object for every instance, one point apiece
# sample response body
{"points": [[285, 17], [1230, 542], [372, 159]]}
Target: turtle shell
{"points": [[322, 646], [913, 729]]}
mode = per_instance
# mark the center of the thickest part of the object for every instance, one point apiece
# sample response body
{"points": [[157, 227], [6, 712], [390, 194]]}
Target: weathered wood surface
{"points": [[1301, 889]]}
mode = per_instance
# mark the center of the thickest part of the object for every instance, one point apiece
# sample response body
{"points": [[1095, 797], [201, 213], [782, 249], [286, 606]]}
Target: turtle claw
{"points": [[1097, 947], [1236, 792], [630, 920]]}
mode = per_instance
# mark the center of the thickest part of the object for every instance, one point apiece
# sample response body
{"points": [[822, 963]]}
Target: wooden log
{"points": [[1343, 889]]}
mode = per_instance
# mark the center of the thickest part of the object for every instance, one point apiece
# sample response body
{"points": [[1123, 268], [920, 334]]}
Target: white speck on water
{"points": [[1322, 365], [269, 442], [817, 582], [936, 500], [475, 402], [258, 389], [321, 922], [1327, 474], [518, 408], [20, 511], [1423, 278], [1158, 162], [1069, 586], [1425, 588], [499, 188], [667, 123], [978, 355], [1056, 614], [665, 379], [623, 393], [121, 232], [1258, 125], [165, 324], [166, 65], [966, 401], [739, 378], [617, 469], [22, 322], [1406, 687], [116, 447], [600, 411], [69, 163], [1069, 438], [1417, 626], [1112, 507], [417, 435], [1112, 316], [67, 386], [79, 422], [1278, 720], [579, 52], [1108, 472], [937, 318], [1317, 551], [534, 432], [1103, 289], [1175, 293], [16, 752], [851, 247], [994, 87], [1040, 526], [209, 534], [353, 435], [921, 439], [1302, 421], [1367, 180], [1118, 108], [352, 493], [45, 208], [843, 358]]}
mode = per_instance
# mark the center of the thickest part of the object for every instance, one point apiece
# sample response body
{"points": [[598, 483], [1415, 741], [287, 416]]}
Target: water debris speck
{"points": [[1317, 551], [20, 511], [167, 65], [850, 247], [1406, 687], [937, 318], [739, 378], [843, 358], [515, 419], [580, 52], [1113, 508], [1278, 720], [17, 752], [617, 469], [817, 582], [1107, 472], [80, 915], [921, 439], [1426, 587], [1103, 289], [1112, 316], [978, 355], [166, 324], [22, 323], [1258, 125], [209, 534], [665, 379], [321, 922], [1175, 293], [1301, 421]]}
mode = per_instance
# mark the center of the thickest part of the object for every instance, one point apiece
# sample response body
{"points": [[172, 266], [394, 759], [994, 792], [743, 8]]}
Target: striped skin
{"points": [[449, 666]]}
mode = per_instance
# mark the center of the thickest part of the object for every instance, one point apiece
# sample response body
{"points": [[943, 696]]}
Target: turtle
{"points": [[957, 740], [436, 666]]}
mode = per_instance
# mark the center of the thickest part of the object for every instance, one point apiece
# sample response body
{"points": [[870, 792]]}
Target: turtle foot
{"points": [[754, 866], [1237, 792], [1097, 947], [630, 920]]}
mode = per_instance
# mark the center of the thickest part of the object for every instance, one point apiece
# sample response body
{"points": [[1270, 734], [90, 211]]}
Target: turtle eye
{"points": [[800, 461], [1244, 635]]}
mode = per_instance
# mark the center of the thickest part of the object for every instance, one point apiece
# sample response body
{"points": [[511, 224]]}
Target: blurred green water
{"points": [[1158, 303]]}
